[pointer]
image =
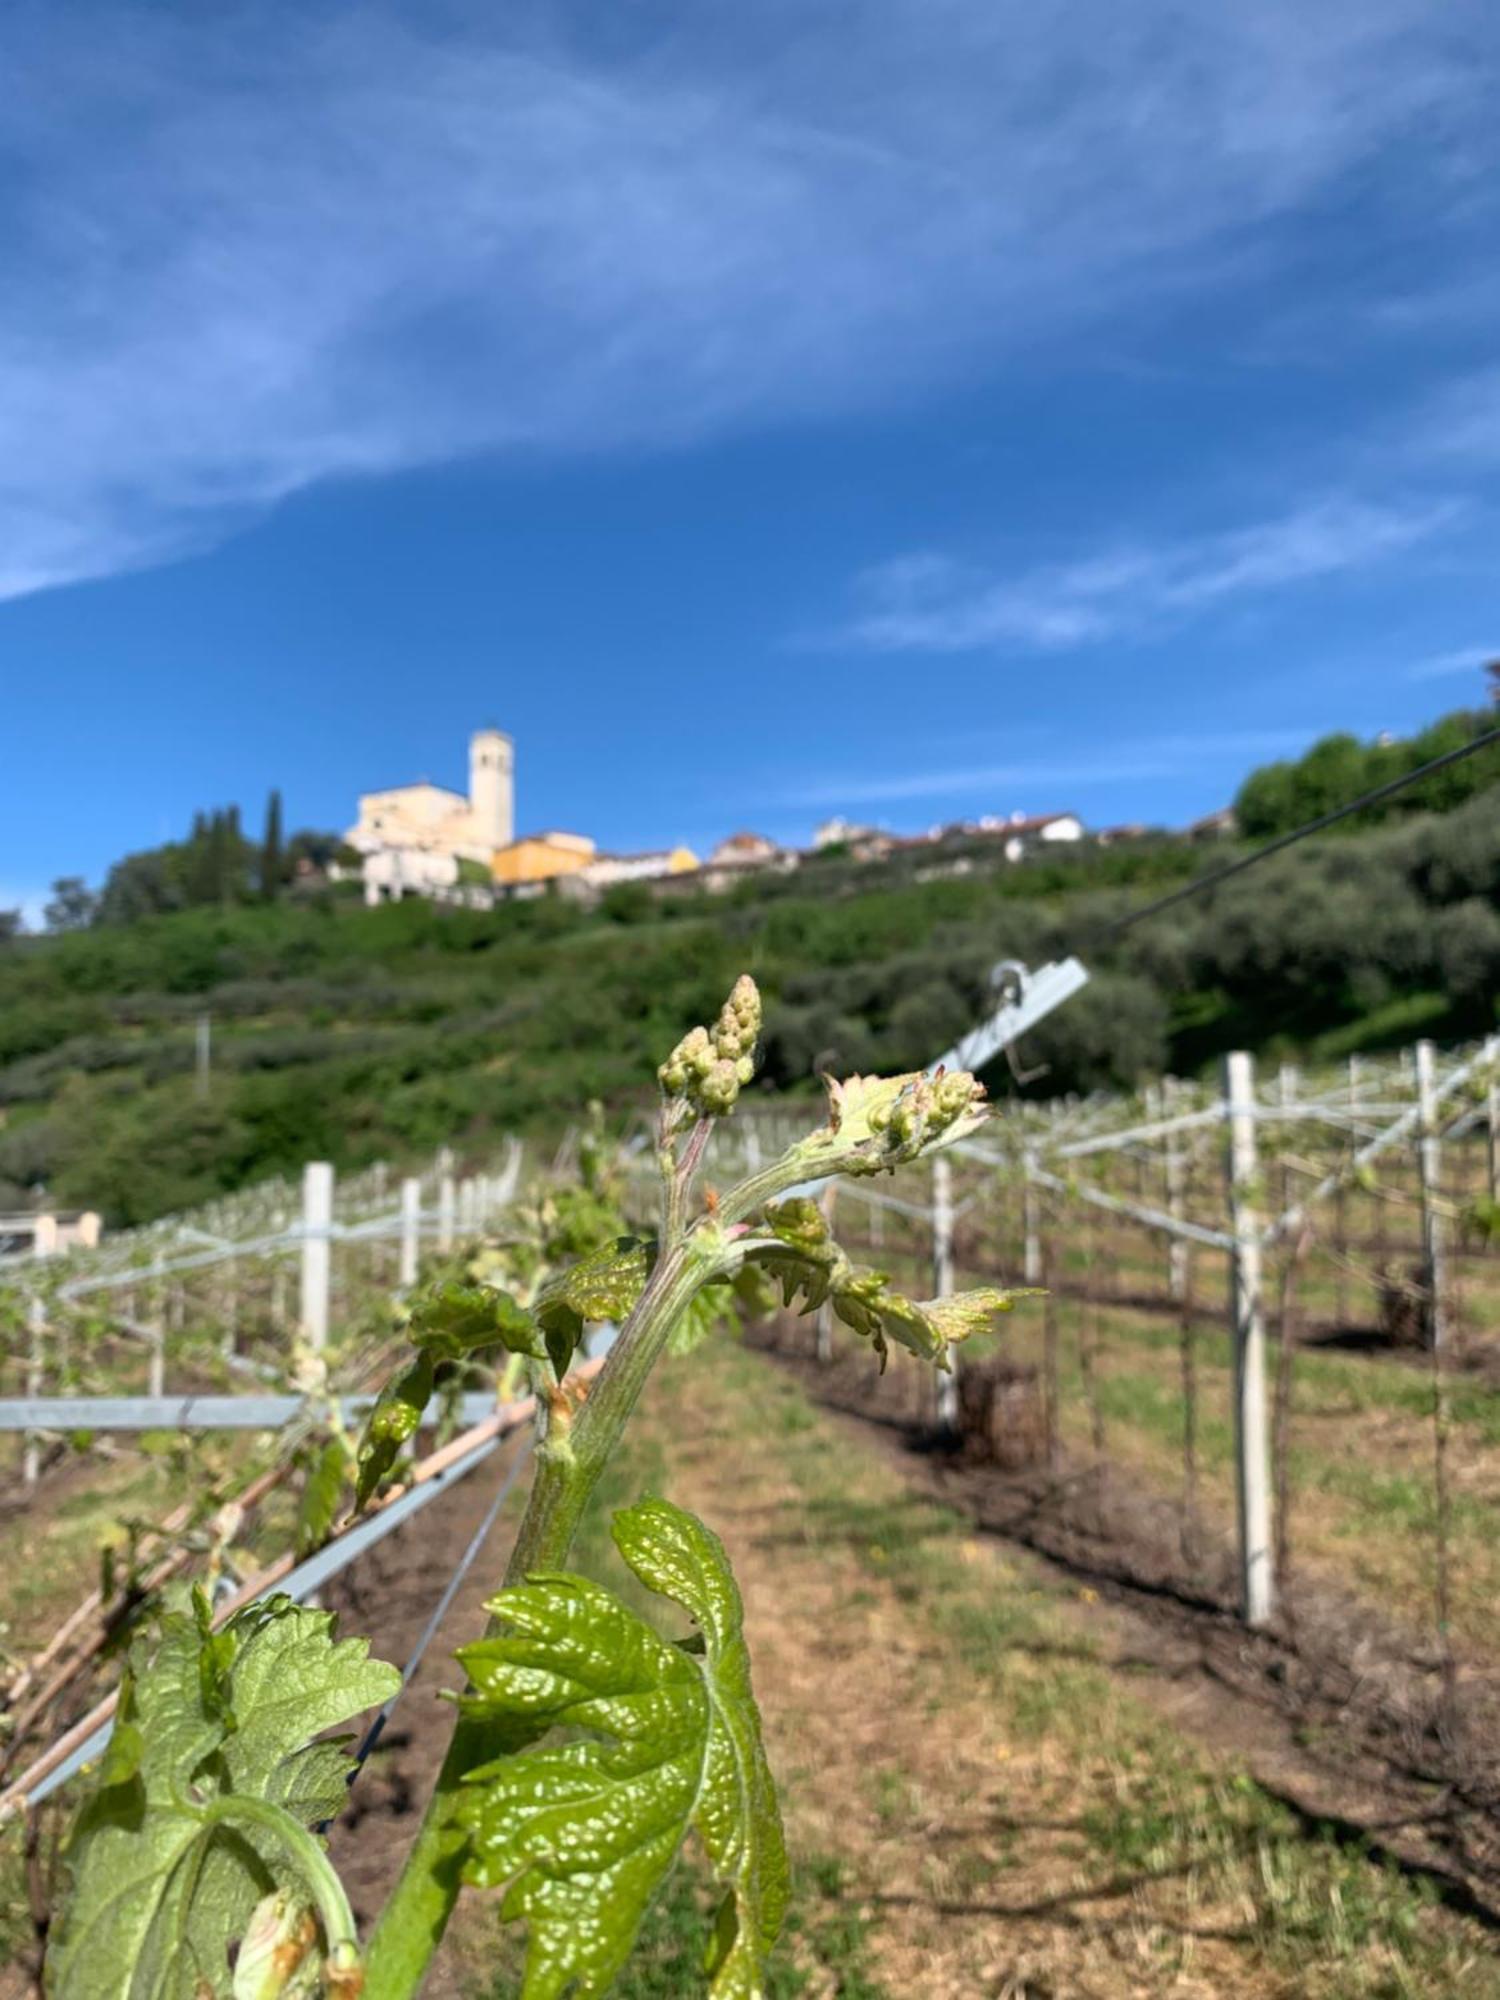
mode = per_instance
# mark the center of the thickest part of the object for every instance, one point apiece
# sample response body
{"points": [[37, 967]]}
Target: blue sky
{"points": [[908, 407]]}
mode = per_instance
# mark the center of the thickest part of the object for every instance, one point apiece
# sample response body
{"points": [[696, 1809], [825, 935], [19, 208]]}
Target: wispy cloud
{"points": [[1462, 420], [1043, 781], [1461, 660], [934, 604], [247, 252]]}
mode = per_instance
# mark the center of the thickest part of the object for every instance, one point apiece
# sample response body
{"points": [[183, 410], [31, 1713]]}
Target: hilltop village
{"points": [[427, 840]]}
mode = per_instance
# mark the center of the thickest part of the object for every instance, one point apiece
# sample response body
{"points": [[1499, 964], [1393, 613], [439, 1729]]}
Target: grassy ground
{"points": [[1360, 1473], [978, 1801]]}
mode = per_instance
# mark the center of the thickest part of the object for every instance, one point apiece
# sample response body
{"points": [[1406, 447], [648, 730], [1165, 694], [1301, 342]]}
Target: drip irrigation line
{"points": [[1201, 883], [440, 1610]]}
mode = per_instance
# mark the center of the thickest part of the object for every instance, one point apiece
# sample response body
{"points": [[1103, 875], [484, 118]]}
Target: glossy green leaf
{"points": [[321, 1491], [582, 1834], [813, 1268], [454, 1320], [603, 1285], [160, 1890], [397, 1412]]}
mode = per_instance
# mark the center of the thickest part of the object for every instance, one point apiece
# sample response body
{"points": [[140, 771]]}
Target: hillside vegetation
{"points": [[354, 1034]]}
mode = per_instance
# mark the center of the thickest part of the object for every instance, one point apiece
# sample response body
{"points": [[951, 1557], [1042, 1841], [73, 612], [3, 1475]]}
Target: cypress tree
{"points": [[272, 854]]}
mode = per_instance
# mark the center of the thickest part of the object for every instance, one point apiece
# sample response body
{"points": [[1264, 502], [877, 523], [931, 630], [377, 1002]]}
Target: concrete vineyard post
{"points": [[1031, 1245], [157, 1335], [36, 1329], [411, 1230], [1174, 1162], [379, 1178], [317, 1250], [1248, 1343], [942, 1279], [1429, 1176]]}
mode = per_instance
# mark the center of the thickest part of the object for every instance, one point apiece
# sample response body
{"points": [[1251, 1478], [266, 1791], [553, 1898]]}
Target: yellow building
{"points": [[541, 857], [606, 869]]}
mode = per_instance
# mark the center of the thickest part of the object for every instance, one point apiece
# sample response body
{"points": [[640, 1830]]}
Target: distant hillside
{"points": [[352, 1033]]}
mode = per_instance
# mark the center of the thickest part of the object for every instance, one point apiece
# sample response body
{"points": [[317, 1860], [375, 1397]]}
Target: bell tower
{"points": [[492, 786]]}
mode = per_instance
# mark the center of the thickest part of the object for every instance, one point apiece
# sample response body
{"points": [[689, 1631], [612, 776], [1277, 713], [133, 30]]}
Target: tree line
{"points": [[217, 863], [1339, 769]]}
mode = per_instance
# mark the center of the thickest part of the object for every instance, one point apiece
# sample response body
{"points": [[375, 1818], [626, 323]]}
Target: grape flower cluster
{"points": [[707, 1068]]}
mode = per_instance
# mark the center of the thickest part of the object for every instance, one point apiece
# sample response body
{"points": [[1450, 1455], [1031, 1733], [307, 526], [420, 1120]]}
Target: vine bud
{"points": [[278, 1956], [707, 1070]]}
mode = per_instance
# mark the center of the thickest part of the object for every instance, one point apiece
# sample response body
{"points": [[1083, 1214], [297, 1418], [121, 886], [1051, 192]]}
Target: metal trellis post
{"points": [[1174, 1161], [1429, 1174], [317, 1248], [1031, 1244], [36, 1325], [1248, 1336], [411, 1229], [157, 1372]]}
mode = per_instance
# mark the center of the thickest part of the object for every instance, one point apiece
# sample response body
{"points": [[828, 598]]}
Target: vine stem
{"points": [[307, 1855], [572, 1453], [570, 1459]]}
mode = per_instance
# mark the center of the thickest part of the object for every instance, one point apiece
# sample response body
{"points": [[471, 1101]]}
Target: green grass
{"points": [[1317, 1905]]}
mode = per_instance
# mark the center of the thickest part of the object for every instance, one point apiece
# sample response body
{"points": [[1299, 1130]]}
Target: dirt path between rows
{"points": [[1335, 1710], [968, 1842]]}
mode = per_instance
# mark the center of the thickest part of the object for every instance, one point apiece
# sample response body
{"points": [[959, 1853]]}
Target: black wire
{"points": [[1385, 791]]}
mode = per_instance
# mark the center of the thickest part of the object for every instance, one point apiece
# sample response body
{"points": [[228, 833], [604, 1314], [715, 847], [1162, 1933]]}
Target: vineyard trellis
{"points": [[1197, 1156], [1121, 1430], [210, 1291], [1133, 1204], [349, 1243]]}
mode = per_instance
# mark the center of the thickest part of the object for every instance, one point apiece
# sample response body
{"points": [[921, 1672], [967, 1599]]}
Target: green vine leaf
{"points": [[395, 1417], [451, 1322], [603, 1285], [582, 1834], [455, 1320], [811, 1266], [203, 1799], [878, 1123], [321, 1491]]}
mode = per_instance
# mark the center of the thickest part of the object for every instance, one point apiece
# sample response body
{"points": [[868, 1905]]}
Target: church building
{"points": [[430, 819]]}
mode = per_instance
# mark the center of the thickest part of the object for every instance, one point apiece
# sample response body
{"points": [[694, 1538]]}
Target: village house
{"points": [[740, 854], [538, 858], [1020, 832]]}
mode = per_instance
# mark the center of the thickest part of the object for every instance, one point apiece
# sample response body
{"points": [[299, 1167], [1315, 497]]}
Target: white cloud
{"points": [[934, 604], [246, 252], [1462, 421], [1041, 778], [1461, 660]]}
